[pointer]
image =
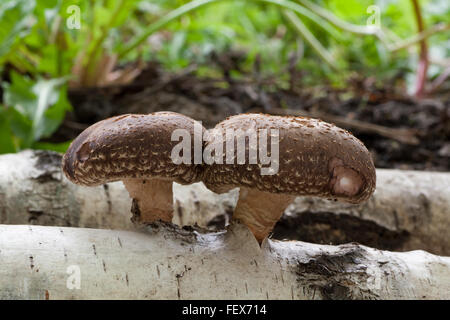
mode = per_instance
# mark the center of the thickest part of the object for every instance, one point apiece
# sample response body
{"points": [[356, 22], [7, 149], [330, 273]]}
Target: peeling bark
{"points": [[166, 262]]}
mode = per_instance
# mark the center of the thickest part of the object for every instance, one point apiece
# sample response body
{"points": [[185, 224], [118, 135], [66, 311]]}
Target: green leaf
{"points": [[58, 147], [48, 94], [49, 60], [6, 136], [36, 108], [15, 23], [55, 114], [21, 126], [18, 94]]}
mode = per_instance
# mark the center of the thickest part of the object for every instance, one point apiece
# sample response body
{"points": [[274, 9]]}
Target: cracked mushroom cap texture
{"points": [[130, 146], [315, 158]]}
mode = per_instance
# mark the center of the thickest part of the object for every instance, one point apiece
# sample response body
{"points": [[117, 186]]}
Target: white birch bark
{"points": [[33, 190], [164, 262], [413, 204]]}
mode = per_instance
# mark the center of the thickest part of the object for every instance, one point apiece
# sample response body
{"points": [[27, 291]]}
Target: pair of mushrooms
{"points": [[315, 159]]}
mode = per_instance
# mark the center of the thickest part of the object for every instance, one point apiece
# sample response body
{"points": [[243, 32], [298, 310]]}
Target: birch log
{"points": [[409, 210], [165, 262], [33, 190]]}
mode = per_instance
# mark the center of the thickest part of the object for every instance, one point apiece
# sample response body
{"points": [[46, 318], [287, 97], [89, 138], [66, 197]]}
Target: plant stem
{"points": [[195, 4], [309, 37], [92, 60], [421, 73], [420, 36], [344, 25]]}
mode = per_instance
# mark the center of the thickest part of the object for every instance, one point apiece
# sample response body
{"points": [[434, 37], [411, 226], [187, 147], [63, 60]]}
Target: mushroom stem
{"points": [[152, 199], [260, 211]]}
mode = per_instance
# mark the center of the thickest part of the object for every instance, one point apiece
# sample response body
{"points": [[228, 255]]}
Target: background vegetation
{"points": [[329, 41]]}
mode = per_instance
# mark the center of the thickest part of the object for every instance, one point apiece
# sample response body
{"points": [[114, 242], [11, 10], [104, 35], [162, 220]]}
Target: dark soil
{"points": [[332, 229]]}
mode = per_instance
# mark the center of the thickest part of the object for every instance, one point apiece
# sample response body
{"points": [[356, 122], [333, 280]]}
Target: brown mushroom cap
{"points": [[129, 146], [315, 158], [135, 149]]}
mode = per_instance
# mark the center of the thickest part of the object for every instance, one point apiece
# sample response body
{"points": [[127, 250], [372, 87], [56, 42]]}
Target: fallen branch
{"points": [[164, 262], [402, 135]]}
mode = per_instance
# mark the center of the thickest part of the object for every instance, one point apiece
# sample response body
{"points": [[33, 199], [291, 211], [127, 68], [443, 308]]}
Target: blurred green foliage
{"points": [[41, 57], [37, 107]]}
